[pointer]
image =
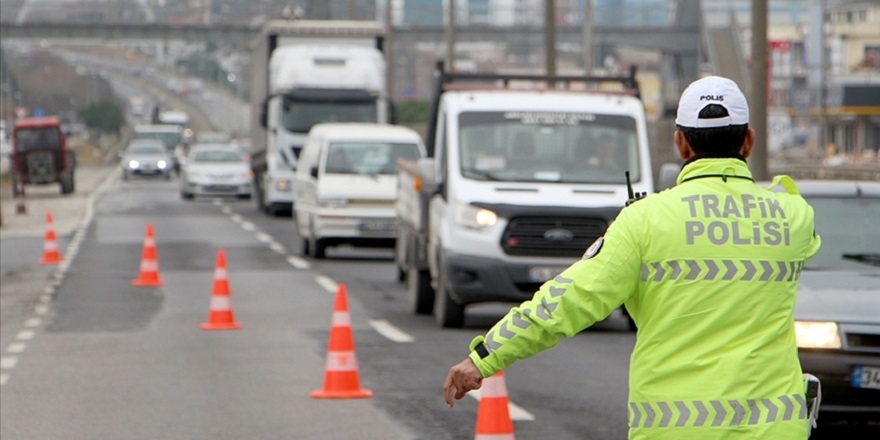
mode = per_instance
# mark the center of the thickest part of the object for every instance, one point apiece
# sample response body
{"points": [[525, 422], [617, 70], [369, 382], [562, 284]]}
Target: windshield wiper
{"points": [[486, 175], [867, 258]]}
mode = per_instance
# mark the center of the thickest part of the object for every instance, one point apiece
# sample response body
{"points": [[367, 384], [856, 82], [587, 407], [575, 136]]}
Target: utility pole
{"points": [[758, 107], [550, 36], [587, 42], [823, 87], [389, 52], [450, 38]]}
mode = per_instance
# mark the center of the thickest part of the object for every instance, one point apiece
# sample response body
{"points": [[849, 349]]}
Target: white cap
{"points": [[712, 90]]}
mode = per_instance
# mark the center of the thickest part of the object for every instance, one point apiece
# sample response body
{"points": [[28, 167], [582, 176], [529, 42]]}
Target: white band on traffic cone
{"points": [[341, 361], [340, 319], [220, 303]]}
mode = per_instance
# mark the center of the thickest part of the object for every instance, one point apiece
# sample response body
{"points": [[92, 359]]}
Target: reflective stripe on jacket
{"points": [[708, 270]]}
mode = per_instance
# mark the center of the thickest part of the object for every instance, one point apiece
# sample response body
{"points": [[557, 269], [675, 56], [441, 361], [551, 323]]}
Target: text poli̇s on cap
{"points": [[712, 90]]}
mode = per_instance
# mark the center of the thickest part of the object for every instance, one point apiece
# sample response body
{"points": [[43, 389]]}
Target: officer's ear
{"points": [[684, 148], [749, 142]]}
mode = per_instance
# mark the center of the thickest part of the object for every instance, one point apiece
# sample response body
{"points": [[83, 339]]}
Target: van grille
{"points": [[566, 237]]}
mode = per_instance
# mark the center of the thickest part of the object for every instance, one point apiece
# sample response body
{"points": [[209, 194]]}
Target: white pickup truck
{"points": [[521, 178]]}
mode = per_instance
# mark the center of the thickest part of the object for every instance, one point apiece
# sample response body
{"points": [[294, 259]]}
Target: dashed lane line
{"points": [[327, 283], [298, 262], [391, 332]]}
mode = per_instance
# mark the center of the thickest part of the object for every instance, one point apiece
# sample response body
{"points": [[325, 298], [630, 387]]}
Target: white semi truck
{"points": [[521, 179], [306, 72]]}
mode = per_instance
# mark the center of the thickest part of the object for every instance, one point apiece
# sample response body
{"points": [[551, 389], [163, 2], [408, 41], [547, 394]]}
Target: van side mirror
{"points": [[264, 113], [392, 112], [668, 176], [313, 171]]}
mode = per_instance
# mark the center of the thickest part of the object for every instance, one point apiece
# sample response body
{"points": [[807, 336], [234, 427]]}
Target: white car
{"points": [[215, 170]]}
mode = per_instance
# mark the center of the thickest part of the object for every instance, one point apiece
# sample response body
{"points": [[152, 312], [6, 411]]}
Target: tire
{"points": [[401, 274], [186, 195], [304, 247], [319, 249], [447, 313], [419, 291], [67, 184]]}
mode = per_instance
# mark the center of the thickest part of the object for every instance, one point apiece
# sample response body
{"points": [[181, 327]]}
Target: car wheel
{"points": [[419, 291], [447, 312], [319, 248], [304, 247], [185, 195]]}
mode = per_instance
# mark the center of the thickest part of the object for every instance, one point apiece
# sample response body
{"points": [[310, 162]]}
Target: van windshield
{"points": [[29, 139], [548, 147], [368, 157]]}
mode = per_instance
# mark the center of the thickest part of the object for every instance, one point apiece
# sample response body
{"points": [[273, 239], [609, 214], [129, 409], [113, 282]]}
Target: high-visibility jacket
{"points": [[708, 270]]}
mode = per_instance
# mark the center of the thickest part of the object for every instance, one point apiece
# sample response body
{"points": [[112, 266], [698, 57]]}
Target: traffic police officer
{"points": [[708, 270]]}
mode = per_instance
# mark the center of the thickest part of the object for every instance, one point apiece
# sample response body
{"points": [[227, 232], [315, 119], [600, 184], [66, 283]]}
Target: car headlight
{"points": [[132, 164], [817, 334], [475, 218], [162, 164], [332, 202]]}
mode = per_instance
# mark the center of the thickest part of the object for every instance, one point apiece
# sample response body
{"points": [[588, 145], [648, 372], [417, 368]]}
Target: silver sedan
{"points": [[215, 170], [837, 316], [146, 157]]}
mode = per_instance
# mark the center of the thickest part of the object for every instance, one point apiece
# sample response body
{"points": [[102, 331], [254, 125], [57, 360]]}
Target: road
{"points": [[85, 355]]}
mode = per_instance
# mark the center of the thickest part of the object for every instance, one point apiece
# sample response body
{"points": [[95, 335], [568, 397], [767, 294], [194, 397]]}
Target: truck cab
{"points": [[308, 72], [40, 155]]}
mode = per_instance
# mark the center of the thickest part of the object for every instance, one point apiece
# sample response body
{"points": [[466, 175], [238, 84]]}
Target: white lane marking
{"points": [[8, 362], [516, 411], [33, 322], [264, 237], [41, 309], [298, 262], [328, 284], [236, 218], [226, 210], [217, 201], [391, 332], [277, 247], [248, 226], [3, 379], [25, 335], [45, 298], [49, 290], [16, 347]]}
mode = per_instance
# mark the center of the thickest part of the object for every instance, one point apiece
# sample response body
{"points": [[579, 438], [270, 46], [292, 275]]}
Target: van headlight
{"points": [[133, 164], [817, 334], [162, 164], [472, 217]]}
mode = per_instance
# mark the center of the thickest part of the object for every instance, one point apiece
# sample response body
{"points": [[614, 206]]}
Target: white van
{"points": [[346, 184]]}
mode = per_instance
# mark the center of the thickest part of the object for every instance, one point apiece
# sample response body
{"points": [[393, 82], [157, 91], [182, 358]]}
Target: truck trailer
{"points": [[305, 72]]}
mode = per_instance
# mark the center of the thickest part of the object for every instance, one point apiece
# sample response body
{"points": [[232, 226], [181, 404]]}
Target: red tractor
{"points": [[40, 155]]}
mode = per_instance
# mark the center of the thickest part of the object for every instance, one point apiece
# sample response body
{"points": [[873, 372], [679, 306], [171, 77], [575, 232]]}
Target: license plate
{"points": [[866, 377], [377, 226], [540, 274]]}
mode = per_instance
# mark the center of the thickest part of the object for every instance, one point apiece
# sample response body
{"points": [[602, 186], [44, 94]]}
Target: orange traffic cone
{"points": [[220, 316], [149, 274], [341, 377], [493, 414], [50, 244]]}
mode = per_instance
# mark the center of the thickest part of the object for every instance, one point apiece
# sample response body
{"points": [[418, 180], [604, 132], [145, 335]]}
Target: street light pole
{"points": [[550, 37], [758, 107], [450, 38]]}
